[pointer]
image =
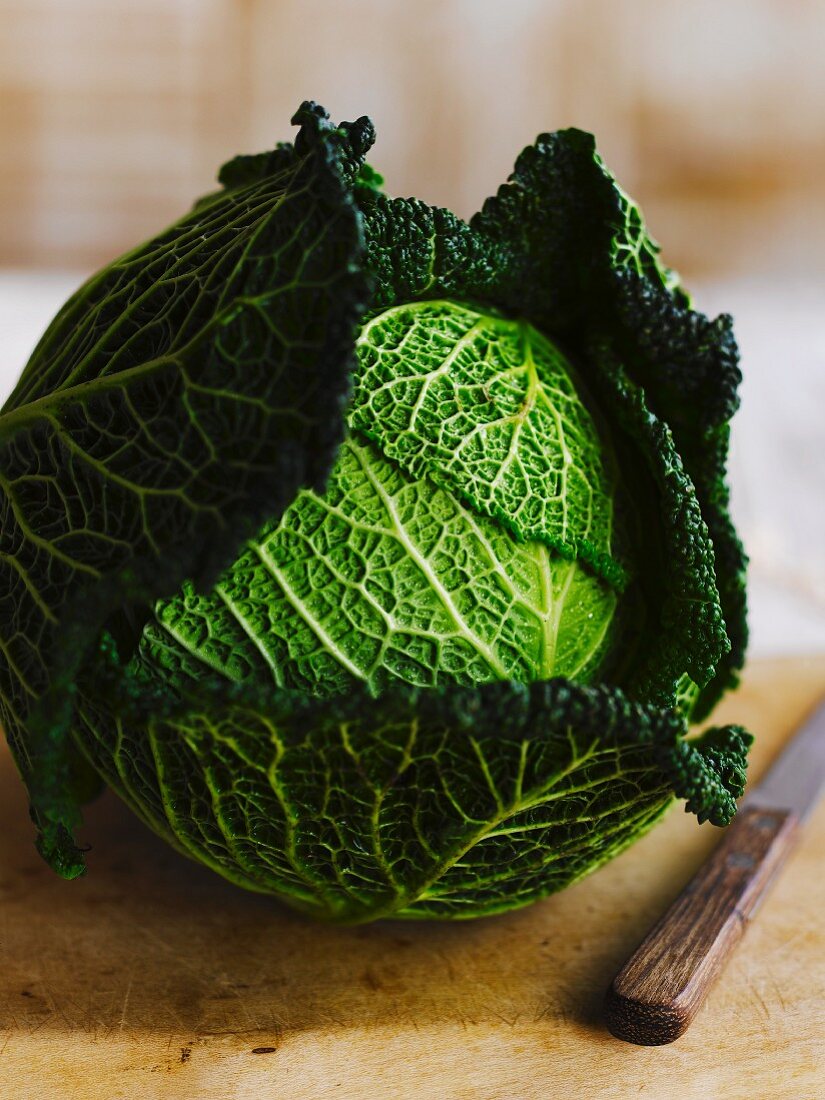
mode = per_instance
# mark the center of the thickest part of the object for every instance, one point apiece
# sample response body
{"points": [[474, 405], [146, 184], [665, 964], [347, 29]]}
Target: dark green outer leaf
{"points": [[688, 633], [689, 368], [182, 396], [458, 803]]}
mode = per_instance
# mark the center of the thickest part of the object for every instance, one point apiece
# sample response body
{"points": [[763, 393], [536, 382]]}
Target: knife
{"points": [[657, 993]]}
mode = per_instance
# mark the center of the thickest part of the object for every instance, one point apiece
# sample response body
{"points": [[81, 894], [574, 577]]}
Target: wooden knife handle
{"points": [[655, 996]]}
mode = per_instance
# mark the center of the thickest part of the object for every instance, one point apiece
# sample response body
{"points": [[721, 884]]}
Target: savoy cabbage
{"points": [[379, 560]]}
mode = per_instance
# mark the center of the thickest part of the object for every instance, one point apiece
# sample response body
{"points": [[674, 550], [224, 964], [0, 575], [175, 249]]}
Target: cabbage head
{"points": [[377, 559]]}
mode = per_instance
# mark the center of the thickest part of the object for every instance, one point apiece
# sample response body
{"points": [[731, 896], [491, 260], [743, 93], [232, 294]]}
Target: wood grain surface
{"points": [[152, 978]]}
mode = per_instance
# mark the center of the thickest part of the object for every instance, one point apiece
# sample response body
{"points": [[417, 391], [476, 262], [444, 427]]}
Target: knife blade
{"points": [[657, 993], [797, 776]]}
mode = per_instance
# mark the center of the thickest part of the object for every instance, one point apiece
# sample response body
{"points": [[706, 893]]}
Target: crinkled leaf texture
{"points": [[383, 579], [453, 802], [182, 396], [185, 395]]}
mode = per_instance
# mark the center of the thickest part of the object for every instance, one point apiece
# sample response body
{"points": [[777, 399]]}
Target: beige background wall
{"points": [[114, 113]]}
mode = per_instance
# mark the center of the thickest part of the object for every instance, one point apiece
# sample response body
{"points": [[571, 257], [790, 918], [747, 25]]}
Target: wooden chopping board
{"points": [[152, 977]]}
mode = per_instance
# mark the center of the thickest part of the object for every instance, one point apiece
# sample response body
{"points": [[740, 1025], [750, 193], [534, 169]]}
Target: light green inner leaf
{"points": [[386, 577], [492, 410]]}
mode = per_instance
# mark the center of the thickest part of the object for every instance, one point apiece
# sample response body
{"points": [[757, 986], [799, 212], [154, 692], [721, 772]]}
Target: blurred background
{"points": [[114, 115]]}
